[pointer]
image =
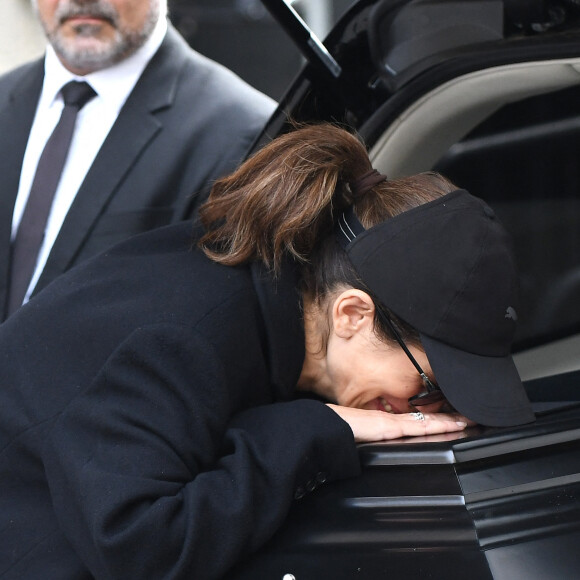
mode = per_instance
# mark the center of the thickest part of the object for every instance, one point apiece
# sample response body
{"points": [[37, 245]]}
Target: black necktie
{"points": [[31, 230]]}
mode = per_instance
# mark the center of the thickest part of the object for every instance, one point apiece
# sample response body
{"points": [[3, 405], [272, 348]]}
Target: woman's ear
{"points": [[352, 311]]}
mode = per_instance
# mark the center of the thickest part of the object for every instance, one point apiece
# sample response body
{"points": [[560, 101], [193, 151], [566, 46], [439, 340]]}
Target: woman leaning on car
{"points": [[151, 413]]}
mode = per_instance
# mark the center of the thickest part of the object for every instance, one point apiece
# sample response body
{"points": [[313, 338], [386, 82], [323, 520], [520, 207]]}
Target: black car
{"points": [[488, 93]]}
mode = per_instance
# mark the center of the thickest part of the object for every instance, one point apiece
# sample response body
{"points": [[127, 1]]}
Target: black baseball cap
{"points": [[447, 269]]}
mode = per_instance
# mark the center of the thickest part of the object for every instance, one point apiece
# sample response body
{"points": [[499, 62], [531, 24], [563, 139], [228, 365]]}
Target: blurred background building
{"points": [[240, 34]]}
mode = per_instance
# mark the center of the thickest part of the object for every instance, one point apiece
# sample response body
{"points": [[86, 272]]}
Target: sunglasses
{"points": [[432, 393]]}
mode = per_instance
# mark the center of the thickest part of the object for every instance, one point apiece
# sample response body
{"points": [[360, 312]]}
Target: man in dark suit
{"points": [[164, 124]]}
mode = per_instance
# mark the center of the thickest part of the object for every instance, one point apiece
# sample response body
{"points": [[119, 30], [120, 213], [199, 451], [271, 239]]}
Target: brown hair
{"points": [[281, 199], [284, 201]]}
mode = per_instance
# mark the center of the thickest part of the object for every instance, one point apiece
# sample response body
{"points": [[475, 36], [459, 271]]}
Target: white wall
{"points": [[21, 37], [318, 14]]}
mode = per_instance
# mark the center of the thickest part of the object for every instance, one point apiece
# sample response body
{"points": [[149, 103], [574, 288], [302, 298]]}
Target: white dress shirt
{"points": [[94, 121]]}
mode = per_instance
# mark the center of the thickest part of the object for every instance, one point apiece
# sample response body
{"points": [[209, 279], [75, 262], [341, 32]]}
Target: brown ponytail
{"points": [[282, 200], [287, 198]]}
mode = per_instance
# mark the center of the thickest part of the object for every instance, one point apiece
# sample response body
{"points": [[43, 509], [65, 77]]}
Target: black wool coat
{"points": [[148, 422]]}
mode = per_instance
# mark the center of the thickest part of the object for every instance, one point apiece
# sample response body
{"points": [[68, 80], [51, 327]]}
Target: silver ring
{"points": [[418, 416]]}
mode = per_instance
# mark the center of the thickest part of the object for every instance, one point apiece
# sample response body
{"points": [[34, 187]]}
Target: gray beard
{"points": [[105, 54], [97, 57]]}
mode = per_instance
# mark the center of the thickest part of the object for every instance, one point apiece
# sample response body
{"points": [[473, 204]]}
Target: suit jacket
{"points": [[148, 425], [187, 122]]}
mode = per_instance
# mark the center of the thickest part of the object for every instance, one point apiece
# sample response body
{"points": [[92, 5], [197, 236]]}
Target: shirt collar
{"points": [[112, 84]]}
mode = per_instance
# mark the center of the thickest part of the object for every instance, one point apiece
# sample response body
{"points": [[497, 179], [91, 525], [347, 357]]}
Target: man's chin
{"points": [[85, 57]]}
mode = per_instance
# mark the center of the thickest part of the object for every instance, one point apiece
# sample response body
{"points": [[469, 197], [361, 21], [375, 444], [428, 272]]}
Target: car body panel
{"points": [[489, 503]]}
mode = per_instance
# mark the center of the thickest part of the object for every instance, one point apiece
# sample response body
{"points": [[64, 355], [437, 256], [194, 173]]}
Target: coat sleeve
{"points": [[152, 478]]}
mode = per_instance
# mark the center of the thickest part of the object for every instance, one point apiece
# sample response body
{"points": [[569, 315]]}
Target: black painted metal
{"points": [[490, 503]]}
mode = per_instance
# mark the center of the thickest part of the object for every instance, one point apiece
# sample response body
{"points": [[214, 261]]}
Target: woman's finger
{"points": [[370, 426], [418, 423]]}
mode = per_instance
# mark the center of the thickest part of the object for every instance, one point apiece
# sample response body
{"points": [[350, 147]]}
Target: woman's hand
{"points": [[370, 426]]}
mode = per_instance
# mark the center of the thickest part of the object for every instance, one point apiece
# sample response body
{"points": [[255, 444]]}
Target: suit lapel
{"points": [[16, 116], [154, 91]]}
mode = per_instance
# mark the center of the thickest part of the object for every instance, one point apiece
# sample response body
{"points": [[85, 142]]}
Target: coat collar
{"points": [[281, 306]]}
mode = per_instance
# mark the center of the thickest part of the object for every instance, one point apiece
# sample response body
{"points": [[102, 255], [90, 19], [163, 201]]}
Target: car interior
{"points": [[509, 134]]}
